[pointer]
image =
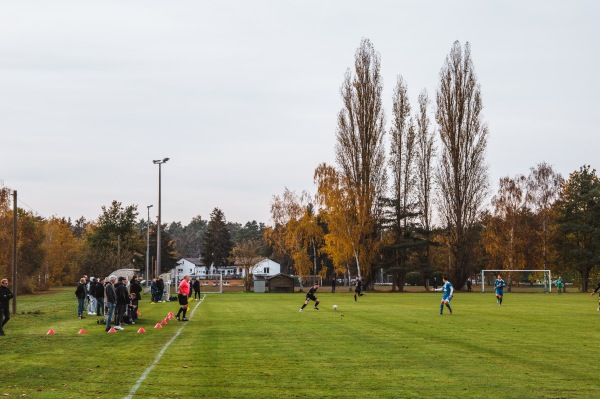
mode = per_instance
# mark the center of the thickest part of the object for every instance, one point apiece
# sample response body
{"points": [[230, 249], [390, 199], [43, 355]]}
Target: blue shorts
{"points": [[446, 298], [499, 291]]}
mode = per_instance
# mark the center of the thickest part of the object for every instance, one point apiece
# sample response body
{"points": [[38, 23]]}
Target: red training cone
{"points": [[82, 331], [50, 332], [112, 330], [141, 330], [164, 322], [157, 325], [171, 314], [139, 314]]}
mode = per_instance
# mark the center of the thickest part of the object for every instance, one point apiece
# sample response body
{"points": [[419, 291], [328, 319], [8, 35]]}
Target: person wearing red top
{"points": [[182, 295]]}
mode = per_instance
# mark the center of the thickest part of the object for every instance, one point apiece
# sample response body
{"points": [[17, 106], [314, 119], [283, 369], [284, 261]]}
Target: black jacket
{"points": [[80, 291], [98, 290], [122, 294], [111, 294], [135, 288], [5, 295]]}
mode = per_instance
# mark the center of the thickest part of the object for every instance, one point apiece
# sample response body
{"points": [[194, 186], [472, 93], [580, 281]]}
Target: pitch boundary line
{"points": [[159, 355]]}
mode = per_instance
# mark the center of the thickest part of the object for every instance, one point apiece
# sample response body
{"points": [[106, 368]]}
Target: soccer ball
{"points": [[334, 307]]}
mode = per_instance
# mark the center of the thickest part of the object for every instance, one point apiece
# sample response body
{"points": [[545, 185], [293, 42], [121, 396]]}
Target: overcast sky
{"points": [[243, 96]]}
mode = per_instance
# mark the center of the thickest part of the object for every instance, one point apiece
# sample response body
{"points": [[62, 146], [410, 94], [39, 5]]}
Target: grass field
{"points": [[388, 345]]}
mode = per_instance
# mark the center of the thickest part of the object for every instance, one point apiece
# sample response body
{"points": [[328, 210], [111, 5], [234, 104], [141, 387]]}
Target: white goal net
{"points": [[211, 283], [517, 280]]}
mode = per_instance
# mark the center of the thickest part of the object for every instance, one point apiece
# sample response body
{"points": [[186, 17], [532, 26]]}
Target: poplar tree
{"points": [[462, 176]]}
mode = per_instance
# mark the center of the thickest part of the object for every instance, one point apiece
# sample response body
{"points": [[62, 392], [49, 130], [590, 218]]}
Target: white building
{"points": [[266, 268]]}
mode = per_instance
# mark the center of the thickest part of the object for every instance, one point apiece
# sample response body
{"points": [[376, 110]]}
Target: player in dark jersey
{"points": [[310, 296], [597, 288], [358, 289]]}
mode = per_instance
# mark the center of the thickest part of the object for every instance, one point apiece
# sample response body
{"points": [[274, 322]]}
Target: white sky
{"points": [[243, 96]]}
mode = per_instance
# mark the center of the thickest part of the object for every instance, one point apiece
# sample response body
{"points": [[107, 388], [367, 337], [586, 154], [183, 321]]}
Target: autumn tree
{"points": [[246, 254], [62, 253], [461, 174], [217, 244], [543, 187], [360, 152], [578, 223], [506, 235], [337, 207], [284, 209]]}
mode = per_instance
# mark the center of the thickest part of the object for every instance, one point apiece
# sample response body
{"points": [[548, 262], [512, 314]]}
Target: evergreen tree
{"points": [[217, 244]]}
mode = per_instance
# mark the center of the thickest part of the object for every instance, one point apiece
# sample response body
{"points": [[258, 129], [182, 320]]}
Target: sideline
{"points": [[162, 351]]}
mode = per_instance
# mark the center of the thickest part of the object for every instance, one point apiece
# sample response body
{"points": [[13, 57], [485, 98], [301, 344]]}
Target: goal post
{"points": [[518, 280], [211, 283]]}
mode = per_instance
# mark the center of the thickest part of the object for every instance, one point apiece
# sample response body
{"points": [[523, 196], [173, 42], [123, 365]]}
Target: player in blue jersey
{"points": [[447, 297], [499, 284], [310, 296]]}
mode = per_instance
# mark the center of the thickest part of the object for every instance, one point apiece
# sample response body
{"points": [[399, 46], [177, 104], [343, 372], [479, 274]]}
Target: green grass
{"points": [[388, 345]]}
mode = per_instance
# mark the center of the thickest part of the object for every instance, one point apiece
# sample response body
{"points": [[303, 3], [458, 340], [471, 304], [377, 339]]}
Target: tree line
{"points": [[407, 200]]}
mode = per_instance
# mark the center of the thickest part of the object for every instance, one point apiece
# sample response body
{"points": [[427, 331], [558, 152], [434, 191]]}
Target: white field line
{"points": [[159, 355]]}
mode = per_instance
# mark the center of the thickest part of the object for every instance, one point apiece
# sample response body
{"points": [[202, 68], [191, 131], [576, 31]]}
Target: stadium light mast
{"points": [[148, 249], [158, 162]]}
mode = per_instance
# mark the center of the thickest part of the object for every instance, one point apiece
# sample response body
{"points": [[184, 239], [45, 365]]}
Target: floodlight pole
{"points": [[148, 249], [158, 162]]}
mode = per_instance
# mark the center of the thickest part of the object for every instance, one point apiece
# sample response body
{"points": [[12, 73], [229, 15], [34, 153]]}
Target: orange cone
{"points": [[141, 330], [50, 332], [82, 331], [157, 325], [139, 314], [112, 330], [171, 314]]}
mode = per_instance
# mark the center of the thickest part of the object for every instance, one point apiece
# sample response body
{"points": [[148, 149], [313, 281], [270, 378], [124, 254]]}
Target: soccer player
{"points": [[559, 285], [596, 289], [499, 284], [182, 295], [358, 289], [447, 297], [310, 296]]}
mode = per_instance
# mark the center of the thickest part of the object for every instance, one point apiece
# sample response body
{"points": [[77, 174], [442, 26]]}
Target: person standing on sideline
{"points": [[358, 289], [135, 288], [111, 300], [447, 297], [197, 288], [469, 284], [153, 289], [333, 285], [310, 296], [559, 285], [160, 287], [5, 297], [122, 302], [182, 295], [499, 284], [80, 293], [99, 295]]}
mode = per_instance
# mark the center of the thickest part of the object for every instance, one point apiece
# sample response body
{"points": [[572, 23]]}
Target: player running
{"points": [[358, 289], [310, 296], [499, 284], [182, 295], [447, 297]]}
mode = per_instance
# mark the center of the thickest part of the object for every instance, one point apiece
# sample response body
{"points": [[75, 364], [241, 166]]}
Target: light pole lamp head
{"points": [[149, 206], [160, 161]]}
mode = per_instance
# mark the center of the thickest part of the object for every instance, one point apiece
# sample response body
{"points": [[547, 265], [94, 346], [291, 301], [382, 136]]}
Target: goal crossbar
{"points": [[544, 271]]}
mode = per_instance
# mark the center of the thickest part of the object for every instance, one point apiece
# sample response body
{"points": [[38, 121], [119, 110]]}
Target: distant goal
{"points": [[210, 283], [518, 280]]}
